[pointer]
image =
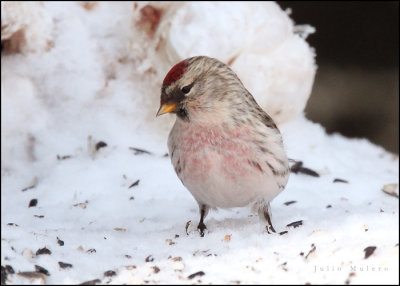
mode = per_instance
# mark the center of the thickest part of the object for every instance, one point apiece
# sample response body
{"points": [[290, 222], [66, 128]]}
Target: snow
{"points": [[90, 87]]}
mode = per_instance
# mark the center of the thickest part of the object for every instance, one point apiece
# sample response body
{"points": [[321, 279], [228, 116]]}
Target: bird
{"points": [[226, 150]]}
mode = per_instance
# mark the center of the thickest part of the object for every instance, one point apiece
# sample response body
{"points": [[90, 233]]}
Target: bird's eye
{"points": [[186, 89]]}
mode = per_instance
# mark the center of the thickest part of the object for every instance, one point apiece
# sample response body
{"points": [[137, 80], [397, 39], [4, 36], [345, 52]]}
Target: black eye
{"points": [[186, 89]]}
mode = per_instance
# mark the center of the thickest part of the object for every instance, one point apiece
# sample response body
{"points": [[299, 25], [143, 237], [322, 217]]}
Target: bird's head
{"points": [[198, 87]]}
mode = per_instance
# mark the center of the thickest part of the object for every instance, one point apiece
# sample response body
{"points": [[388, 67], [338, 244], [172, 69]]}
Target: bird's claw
{"points": [[201, 227], [270, 229]]}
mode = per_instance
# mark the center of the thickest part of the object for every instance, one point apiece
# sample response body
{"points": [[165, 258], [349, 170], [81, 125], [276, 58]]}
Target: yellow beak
{"points": [[166, 108]]}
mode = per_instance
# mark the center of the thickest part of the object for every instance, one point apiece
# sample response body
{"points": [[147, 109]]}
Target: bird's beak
{"points": [[167, 108]]}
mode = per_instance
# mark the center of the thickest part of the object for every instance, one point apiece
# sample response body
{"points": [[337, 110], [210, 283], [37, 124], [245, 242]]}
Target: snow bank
{"points": [[258, 40]]}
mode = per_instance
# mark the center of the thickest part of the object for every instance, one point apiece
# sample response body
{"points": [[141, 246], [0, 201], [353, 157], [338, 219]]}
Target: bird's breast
{"points": [[212, 149], [222, 167]]}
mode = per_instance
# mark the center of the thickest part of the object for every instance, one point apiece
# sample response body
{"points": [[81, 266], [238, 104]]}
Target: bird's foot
{"points": [[201, 227], [270, 229]]}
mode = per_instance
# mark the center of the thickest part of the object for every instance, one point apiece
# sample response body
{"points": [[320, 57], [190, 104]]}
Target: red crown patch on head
{"points": [[175, 73]]}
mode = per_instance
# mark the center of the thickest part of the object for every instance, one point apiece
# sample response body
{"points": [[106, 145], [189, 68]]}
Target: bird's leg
{"points": [[266, 212], [270, 227], [203, 213]]}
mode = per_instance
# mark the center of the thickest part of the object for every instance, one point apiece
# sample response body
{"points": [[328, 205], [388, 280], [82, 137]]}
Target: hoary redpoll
{"points": [[225, 149]]}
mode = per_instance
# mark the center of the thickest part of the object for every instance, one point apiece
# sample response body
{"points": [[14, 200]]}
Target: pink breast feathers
{"points": [[215, 150]]}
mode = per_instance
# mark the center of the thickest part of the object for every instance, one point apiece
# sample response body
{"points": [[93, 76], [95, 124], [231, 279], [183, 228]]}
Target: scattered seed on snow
{"points": [[298, 168], [4, 275], [369, 251], [32, 275], [63, 157], [201, 252], [289, 203], [82, 205], [33, 203], [199, 273], [149, 258], [110, 273], [312, 250], [295, 223], [9, 269], [43, 250], [390, 189], [41, 269], [100, 144], [64, 265], [60, 242], [176, 258], [91, 282], [12, 224], [283, 266], [309, 172], [351, 274], [170, 241], [134, 184], [337, 180], [33, 185], [139, 151], [130, 267]]}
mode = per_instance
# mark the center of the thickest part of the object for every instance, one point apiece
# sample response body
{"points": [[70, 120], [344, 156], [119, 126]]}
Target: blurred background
{"points": [[356, 89]]}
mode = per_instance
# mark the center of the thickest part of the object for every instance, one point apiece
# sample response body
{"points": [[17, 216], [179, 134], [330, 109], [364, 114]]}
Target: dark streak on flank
{"points": [[256, 165], [276, 172], [173, 150], [267, 120]]}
